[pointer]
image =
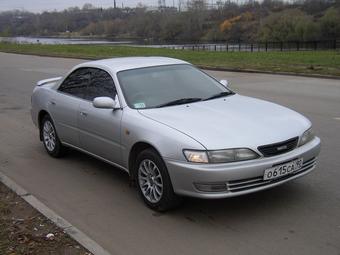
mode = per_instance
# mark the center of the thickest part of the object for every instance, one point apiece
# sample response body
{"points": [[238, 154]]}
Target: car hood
{"points": [[232, 122]]}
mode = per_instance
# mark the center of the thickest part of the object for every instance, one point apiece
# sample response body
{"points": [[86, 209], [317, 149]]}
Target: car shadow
{"points": [[273, 201], [94, 165], [270, 201]]}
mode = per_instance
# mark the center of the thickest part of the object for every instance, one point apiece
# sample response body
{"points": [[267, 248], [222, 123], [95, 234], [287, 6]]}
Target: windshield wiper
{"points": [[180, 101], [221, 94]]}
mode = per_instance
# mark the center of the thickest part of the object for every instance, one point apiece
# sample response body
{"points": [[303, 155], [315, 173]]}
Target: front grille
{"points": [[251, 183], [278, 148]]}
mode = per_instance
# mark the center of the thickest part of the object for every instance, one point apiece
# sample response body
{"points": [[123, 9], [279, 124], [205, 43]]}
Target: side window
{"points": [[76, 83], [101, 85]]}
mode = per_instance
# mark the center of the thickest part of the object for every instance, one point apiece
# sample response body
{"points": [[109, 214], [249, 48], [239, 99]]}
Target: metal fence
{"points": [[258, 47]]}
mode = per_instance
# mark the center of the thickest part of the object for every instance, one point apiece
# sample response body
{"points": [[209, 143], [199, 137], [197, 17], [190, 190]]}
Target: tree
{"points": [[330, 24], [88, 6], [251, 20], [288, 25]]}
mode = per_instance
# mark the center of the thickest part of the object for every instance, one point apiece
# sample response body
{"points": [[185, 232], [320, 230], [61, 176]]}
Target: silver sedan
{"points": [[174, 129]]}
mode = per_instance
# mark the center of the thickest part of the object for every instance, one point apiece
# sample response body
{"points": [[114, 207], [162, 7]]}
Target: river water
{"points": [[55, 40], [194, 47]]}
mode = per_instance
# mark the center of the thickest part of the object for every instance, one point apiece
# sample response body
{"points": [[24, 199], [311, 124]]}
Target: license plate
{"points": [[283, 169]]}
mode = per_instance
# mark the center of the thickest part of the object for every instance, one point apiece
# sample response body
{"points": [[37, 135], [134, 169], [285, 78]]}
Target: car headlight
{"points": [[220, 156], [306, 137], [196, 156]]}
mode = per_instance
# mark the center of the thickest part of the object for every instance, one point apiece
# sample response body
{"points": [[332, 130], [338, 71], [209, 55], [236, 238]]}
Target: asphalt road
{"points": [[301, 217]]}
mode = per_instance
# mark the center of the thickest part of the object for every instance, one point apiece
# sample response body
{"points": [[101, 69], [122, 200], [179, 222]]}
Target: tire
{"points": [[50, 138], [153, 182]]}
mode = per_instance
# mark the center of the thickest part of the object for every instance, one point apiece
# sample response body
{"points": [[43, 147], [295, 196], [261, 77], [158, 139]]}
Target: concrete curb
{"points": [[67, 227], [212, 68]]}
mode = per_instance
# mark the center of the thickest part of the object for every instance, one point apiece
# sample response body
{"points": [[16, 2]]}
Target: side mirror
{"points": [[225, 83], [104, 103]]}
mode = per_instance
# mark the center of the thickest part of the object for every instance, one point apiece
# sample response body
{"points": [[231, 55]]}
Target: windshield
{"points": [[157, 86]]}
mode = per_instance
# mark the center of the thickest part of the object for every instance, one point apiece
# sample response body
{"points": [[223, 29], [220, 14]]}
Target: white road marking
{"points": [[336, 118]]}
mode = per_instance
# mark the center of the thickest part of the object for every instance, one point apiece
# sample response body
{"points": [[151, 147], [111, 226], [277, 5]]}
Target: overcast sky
{"points": [[42, 5]]}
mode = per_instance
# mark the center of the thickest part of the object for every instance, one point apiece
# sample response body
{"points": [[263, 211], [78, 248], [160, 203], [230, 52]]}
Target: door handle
{"points": [[52, 102], [83, 114]]}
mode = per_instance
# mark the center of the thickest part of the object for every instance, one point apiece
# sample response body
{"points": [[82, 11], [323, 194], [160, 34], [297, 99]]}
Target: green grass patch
{"points": [[301, 62]]}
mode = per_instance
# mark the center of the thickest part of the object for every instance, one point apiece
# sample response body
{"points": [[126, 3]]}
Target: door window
{"points": [[88, 83], [76, 83], [101, 85]]}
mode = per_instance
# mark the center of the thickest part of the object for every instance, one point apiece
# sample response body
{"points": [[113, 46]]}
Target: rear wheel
{"points": [[50, 138], [153, 182]]}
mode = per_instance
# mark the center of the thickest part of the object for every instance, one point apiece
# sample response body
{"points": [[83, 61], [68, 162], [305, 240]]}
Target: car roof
{"points": [[126, 63]]}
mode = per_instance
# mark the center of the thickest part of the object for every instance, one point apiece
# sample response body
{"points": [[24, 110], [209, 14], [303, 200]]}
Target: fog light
{"points": [[211, 187]]}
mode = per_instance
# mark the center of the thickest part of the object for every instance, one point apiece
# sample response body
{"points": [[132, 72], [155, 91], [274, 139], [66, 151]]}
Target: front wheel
{"points": [[50, 138], [153, 182]]}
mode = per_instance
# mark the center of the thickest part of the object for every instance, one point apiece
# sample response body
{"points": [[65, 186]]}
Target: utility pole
{"points": [[114, 4]]}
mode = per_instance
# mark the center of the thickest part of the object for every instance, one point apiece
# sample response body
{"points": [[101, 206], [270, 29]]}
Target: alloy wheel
{"points": [[49, 136], [150, 181]]}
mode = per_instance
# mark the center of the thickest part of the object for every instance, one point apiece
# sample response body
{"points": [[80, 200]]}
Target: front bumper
{"points": [[240, 177]]}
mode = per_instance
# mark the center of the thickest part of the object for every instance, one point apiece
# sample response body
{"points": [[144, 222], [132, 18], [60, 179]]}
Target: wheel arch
{"points": [[41, 116], [137, 148]]}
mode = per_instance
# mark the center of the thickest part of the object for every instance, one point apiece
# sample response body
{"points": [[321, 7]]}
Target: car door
{"points": [[99, 129], [64, 106]]}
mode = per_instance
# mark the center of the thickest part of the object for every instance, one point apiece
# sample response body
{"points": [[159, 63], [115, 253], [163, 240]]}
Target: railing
{"points": [[258, 47]]}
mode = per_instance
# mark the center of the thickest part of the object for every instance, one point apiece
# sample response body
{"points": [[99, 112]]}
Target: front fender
{"points": [[168, 141]]}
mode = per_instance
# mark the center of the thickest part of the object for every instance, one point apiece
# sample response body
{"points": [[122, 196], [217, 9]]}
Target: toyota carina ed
{"points": [[176, 130]]}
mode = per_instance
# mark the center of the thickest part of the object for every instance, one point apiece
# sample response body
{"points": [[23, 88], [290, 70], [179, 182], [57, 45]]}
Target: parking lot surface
{"points": [[300, 217]]}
